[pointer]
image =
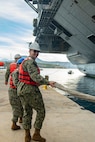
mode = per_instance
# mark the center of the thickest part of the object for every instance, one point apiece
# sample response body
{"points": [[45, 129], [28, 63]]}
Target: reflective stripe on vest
{"points": [[13, 66], [24, 76], [11, 83]]}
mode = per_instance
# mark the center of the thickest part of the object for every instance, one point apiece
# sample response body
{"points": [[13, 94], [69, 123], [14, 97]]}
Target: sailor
{"points": [[11, 68], [14, 98], [30, 95]]}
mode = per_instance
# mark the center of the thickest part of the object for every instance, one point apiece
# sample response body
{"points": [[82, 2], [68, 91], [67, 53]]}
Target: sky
{"points": [[16, 30]]}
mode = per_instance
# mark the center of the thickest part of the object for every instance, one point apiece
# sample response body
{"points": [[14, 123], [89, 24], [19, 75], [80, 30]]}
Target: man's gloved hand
{"points": [[52, 83], [6, 83]]}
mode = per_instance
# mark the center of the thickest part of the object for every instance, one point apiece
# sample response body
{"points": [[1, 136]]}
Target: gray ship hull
{"points": [[67, 27]]}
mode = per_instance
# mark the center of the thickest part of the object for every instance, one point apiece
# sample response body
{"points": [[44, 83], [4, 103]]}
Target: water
{"points": [[75, 81]]}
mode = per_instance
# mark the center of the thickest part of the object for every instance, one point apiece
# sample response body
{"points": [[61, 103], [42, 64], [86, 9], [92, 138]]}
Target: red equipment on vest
{"points": [[13, 66], [24, 76]]}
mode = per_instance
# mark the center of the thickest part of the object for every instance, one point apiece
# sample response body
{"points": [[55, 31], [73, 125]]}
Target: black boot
{"points": [[27, 135], [15, 126], [37, 136], [20, 120]]}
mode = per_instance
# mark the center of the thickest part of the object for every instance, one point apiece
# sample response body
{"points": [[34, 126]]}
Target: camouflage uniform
{"points": [[9, 71], [31, 96], [7, 74], [14, 99]]}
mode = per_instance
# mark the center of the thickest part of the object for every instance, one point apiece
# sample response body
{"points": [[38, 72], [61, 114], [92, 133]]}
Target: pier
{"points": [[65, 120]]}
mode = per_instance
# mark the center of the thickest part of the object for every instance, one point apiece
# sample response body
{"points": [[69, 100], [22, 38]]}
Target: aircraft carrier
{"points": [[67, 27]]}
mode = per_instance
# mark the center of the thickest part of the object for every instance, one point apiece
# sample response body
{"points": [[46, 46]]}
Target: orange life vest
{"points": [[11, 83], [24, 76], [13, 66]]}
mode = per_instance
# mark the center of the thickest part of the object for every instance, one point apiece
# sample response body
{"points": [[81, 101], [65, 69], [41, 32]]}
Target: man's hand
{"points": [[52, 83], [6, 83]]}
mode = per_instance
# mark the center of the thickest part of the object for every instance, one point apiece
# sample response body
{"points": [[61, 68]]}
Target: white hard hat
{"points": [[17, 56], [34, 46]]}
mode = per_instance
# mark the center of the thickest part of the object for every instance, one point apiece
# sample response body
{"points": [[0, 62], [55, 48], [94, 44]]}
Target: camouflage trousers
{"points": [[31, 98], [15, 104]]}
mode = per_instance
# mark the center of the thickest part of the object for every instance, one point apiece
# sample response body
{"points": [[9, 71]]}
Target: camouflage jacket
{"points": [[7, 74], [15, 78]]}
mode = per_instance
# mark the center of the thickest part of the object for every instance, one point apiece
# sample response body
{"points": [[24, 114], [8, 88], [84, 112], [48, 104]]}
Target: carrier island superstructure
{"points": [[67, 27]]}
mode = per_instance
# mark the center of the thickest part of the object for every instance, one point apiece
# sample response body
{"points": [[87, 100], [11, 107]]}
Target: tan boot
{"points": [[37, 136], [27, 135], [20, 120], [15, 126]]}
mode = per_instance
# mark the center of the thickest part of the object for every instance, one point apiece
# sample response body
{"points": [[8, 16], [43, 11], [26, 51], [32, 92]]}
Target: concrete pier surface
{"points": [[65, 120]]}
